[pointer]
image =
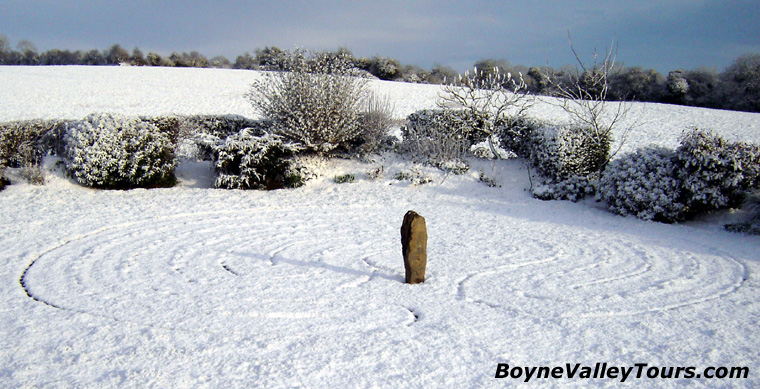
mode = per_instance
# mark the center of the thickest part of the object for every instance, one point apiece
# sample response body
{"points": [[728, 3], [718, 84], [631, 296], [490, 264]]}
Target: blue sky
{"points": [[662, 34]]}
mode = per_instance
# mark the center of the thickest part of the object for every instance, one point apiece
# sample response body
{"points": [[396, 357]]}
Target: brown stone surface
{"points": [[414, 247]]}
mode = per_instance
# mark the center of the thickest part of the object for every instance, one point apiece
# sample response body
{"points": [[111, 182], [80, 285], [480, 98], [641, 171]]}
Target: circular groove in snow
{"points": [[600, 275], [252, 272], [298, 271]]}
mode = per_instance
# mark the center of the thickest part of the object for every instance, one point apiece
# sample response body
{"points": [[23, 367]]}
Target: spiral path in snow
{"points": [[592, 274], [239, 270], [320, 271]]}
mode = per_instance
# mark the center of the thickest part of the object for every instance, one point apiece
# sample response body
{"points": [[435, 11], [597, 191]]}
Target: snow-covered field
{"points": [[197, 287]]}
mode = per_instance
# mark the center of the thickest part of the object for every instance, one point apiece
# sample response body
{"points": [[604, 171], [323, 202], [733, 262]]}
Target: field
{"points": [[198, 287]]}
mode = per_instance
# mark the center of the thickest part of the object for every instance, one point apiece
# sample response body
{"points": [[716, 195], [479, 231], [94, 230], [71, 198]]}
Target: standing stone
{"points": [[414, 247]]}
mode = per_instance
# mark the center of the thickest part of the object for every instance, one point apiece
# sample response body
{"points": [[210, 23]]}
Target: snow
{"points": [[197, 287]]}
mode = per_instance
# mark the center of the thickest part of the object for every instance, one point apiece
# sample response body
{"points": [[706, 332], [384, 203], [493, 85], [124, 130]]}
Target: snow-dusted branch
{"points": [[489, 97], [583, 96]]}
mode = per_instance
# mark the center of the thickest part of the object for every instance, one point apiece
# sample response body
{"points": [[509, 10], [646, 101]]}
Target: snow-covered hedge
{"points": [[438, 137], [24, 143], [220, 126], [715, 172], [251, 160], [644, 184], [117, 152], [460, 123], [199, 134]]}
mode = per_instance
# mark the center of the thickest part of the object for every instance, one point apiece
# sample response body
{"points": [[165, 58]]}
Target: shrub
{"points": [[220, 126], [248, 160], [3, 181], [314, 103], [375, 122], [461, 122], [584, 96], [644, 184], [573, 189], [440, 137], [562, 152], [751, 206], [20, 143], [344, 179], [198, 134], [716, 172], [415, 176], [23, 144], [116, 152], [490, 99], [515, 134], [435, 143], [170, 126], [490, 182]]}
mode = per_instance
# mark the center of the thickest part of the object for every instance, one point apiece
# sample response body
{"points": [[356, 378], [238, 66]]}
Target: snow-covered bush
{"points": [[344, 178], [168, 125], [438, 137], [489, 97], [375, 122], [460, 122], [415, 176], [715, 172], [117, 152], [315, 103], [198, 134], [562, 152], [751, 207], [515, 134], [220, 126], [583, 94], [20, 143], [24, 143], [573, 189], [644, 184], [249, 160]]}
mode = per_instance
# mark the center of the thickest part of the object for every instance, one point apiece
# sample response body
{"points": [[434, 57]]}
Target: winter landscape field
{"points": [[192, 286]]}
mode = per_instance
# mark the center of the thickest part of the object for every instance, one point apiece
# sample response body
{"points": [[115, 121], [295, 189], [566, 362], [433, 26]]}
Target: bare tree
{"points": [[584, 97]]}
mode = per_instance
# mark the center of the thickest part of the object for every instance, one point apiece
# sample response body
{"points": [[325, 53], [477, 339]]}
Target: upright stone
{"points": [[414, 247]]}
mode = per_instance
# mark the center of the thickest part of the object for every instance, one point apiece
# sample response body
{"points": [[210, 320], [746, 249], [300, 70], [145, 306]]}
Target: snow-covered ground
{"points": [[197, 287]]}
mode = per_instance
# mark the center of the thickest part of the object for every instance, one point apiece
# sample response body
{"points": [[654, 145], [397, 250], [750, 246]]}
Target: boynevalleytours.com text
{"points": [[622, 373]]}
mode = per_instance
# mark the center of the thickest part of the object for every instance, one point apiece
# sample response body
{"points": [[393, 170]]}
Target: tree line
{"points": [[736, 88]]}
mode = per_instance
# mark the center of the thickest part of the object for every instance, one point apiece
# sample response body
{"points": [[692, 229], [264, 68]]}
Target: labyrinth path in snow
{"points": [[598, 274], [321, 270]]}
